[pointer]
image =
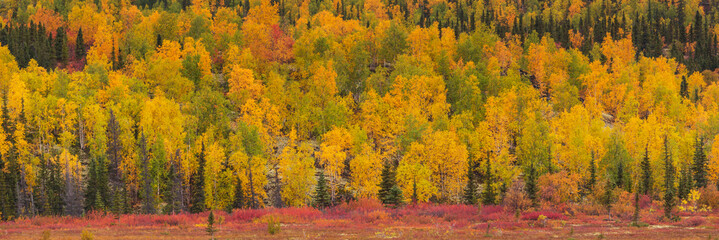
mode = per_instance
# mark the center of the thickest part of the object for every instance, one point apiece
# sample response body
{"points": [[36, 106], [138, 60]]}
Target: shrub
{"points": [[692, 222], [543, 214], [273, 226], [559, 187], [86, 235], [709, 196], [516, 199], [46, 235]]}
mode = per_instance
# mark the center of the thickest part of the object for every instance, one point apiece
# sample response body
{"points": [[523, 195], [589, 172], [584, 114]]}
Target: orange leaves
{"points": [[48, 18], [243, 85], [268, 41]]}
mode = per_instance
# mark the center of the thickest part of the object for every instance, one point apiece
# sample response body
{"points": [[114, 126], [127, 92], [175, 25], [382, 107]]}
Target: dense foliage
{"points": [[145, 106]]}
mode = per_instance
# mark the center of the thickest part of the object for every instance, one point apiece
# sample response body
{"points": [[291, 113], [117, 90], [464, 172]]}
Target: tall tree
{"points": [[646, 178], [699, 166], [197, 184], [321, 197], [79, 46], [669, 192]]}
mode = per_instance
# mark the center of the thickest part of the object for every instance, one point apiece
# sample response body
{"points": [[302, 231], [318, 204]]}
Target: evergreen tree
{"points": [[114, 151], [531, 183], [197, 184], [489, 194], [148, 199], [684, 88], [8, 170], [79, 46], [387, 193], [470, 191], [321, 198], [646, 179], [61, 52], [592, 174], [96, 193], [607, 198], [669, 192], [239, 201], [211, 225], [685, 183], [700, 164]]}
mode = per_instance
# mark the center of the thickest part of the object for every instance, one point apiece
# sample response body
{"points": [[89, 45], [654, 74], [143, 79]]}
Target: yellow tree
{"points": [[297, 169], [243, 85], [366, 169], [216, 196], [333, 153]]}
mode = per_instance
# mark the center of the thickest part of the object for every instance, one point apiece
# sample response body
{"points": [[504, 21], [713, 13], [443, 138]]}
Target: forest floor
{"points": [[369, 221]]}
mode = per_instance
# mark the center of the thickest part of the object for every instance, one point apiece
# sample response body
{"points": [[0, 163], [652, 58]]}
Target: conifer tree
{"points": [[470, 191], [321, 197], [700, 164], [197, 184], [669, 192], [388, 193], [646, 179], [489, 194], [685, 183], [79, 46], [531, 183], [684, 88]]}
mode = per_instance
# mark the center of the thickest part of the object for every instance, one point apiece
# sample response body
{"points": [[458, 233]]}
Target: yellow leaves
{"points": [[333, 152], [427, 42], [577, 135], [618, 53], [71, 167], [376, 8], [366, 167], [215, 156], [243, 85], [297, 169], [713, 163], [444, 157], [102, 48], [162, 120], [423, 96], [83, 16]]}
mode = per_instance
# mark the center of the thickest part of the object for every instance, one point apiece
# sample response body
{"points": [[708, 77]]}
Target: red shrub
{"points": [[549, 214], [245, 215], [692, 222]]}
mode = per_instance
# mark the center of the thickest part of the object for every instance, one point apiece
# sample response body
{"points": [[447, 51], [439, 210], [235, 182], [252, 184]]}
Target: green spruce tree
{"points": [[321, 197], [700, 164], [669, 192]]}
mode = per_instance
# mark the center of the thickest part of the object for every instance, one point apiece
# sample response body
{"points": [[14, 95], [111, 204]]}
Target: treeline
{"points": [[168, 106]]}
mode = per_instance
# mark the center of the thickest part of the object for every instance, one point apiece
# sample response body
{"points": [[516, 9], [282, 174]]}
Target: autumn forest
{"points": [[126, 107]]}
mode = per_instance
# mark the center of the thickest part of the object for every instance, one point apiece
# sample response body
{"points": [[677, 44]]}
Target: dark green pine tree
{"points": [[607, 198], [685, 183], [386, 193], [669, 192], [470, 191], [489, 195], [79, 46], [700, 164], [61, 53], [197, 185], [592, 182], [114, 154], [645, 185], [239, 201], [684, 88], [158, 42], [321, 198], [148, 199], [96, 193], [530, 185], [8, 171]]}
